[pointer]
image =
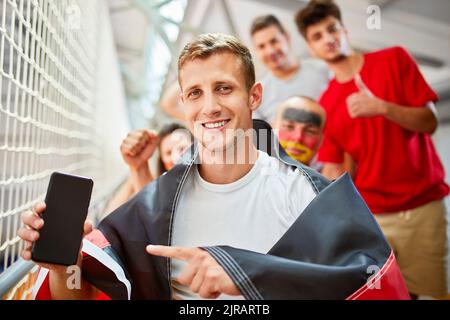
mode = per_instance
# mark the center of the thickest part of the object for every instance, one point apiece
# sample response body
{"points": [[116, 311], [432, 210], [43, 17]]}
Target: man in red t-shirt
{"points": [[380, 110]]}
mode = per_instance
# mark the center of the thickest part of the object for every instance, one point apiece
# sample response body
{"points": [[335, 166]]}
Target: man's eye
{"points": [[332, 28], [224, 89], [312, 132], [194, 94], [288, 127], [316, 37]]}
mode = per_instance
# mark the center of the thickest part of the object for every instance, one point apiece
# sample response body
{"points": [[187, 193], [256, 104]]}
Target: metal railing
{"points": [[54, 105], [17, 281]]}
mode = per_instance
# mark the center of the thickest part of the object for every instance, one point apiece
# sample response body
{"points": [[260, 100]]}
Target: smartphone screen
{"points": [[67, 203]]}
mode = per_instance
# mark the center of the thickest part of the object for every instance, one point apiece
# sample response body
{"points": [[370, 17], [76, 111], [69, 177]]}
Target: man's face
{"points": [[327, 40], [216, 100], [272, 47], [300, 133]]}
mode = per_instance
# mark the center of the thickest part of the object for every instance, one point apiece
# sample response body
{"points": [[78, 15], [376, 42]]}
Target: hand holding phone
{"points": [[33, 224], [56, 235]]}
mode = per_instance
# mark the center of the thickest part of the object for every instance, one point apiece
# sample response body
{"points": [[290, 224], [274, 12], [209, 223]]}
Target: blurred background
{"points": [[77, 75]]}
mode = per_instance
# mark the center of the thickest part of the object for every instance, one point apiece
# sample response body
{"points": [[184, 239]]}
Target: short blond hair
{"points": [[206, 45]]}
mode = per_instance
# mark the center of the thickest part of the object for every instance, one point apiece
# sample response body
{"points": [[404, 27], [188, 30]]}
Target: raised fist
{"points": [[138, 147]]}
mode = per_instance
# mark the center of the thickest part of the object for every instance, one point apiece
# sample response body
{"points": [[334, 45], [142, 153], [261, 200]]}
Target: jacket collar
{"points": [[266, 141]]}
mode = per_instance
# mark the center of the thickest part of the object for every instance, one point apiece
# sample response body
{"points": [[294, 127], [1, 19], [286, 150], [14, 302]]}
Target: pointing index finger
{"points": [[170, 252]]}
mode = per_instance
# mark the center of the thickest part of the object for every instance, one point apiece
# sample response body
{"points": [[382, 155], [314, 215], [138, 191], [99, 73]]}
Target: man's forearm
{"points": [[140, 177], [61, 289], [174, 112], [421, 120], [333, 171], [170, 102], [123, 195]]}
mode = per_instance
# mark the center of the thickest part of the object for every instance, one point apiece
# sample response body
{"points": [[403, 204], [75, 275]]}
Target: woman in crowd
{"points": [[138, 147]]}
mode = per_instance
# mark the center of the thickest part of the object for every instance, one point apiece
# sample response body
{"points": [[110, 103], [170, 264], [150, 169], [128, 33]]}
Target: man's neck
{"points": [[346, 68], [288, 70], [220, 169]]}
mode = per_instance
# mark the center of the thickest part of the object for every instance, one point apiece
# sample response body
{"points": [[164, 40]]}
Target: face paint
{"points": [[298, 151], [302, 116], [300, 134]]}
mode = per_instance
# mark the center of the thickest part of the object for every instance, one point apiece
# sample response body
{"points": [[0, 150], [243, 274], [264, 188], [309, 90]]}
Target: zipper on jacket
{"points": [[172, 217], [177, 196]]}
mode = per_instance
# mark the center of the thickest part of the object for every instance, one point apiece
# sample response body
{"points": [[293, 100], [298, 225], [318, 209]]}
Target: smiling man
{"points": [[380, 110], [300, 122], [288, 76], [265, 228]]}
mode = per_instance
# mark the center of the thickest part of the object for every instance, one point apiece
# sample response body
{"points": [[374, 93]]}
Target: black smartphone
{"points": [[67, 203]]}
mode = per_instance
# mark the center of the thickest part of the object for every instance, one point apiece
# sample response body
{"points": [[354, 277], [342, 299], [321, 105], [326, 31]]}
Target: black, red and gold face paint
{"points": [[300, 133]]}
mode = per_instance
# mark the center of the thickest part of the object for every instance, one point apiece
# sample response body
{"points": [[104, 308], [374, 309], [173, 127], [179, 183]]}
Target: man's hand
{"points": [[363, 104], [202, 274], [58, 274], [138, 147], [33, 223]]}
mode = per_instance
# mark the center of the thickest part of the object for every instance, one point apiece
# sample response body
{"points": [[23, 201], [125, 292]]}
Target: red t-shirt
{"points": [[396, 169]]}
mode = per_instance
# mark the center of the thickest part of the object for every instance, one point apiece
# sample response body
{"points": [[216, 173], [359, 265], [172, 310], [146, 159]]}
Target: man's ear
{"points": [[256, 96], [320, 141], [288, 38], [346, 34]]}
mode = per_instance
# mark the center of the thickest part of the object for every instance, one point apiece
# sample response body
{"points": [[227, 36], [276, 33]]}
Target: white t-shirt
{"points": [[252, 213], [311, 80]]}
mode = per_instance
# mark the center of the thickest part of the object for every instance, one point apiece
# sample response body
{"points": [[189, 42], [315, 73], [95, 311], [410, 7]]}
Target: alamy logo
{"points": [[73, 13], [374, 280], [74, 280], [374, 20]]}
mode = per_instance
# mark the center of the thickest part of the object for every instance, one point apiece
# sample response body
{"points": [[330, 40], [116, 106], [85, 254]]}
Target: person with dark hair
{"points": [[314, 12], [287, 76], [381, 111], [138, 147], [174, 140], [263, 228]]}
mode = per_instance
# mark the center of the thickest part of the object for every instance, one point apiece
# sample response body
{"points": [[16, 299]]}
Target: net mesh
{"points": [[48, 112]]}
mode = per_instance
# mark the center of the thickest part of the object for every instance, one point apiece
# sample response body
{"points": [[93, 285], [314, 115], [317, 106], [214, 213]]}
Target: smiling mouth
{"points": [[295, 151], [276, 57], [215, 124], [333, 47]]}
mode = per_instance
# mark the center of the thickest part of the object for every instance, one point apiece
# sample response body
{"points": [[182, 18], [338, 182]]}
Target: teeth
{"points": [[213, 125]]}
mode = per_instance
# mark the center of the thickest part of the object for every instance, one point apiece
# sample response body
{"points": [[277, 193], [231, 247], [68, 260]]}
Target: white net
{"points": [[50, 109]]}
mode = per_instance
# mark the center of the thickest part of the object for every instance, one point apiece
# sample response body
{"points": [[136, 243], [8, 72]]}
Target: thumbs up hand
{"points": [[364, 104]]}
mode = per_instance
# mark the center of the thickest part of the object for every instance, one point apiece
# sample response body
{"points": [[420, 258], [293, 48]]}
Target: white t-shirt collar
{"points": [[228, 187]]}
